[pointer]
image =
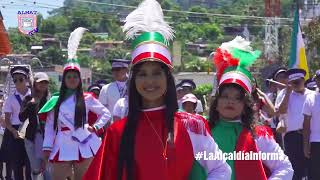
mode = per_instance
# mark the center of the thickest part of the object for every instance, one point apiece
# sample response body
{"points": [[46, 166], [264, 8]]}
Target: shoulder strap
{"points": [[18, 99]]}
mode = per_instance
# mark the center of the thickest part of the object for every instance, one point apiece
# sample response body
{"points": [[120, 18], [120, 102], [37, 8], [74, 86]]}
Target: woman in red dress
{"points": [[155, 141]]}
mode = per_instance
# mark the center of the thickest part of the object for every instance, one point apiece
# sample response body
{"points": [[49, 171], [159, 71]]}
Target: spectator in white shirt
{"points": [[14, 149], [117, 89], [280, 75], [120, 109], [292, 104], [311, 130], [311, 84]]}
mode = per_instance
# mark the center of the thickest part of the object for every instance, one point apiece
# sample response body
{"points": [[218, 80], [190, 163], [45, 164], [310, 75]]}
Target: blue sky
{"points": [[10, 8]]}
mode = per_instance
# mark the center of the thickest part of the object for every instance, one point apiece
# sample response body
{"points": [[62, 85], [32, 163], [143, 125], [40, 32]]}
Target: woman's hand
{"points": [[260, 93], [16, 134], [91, 129], [289, 89], [43, 165], [46, 155]]}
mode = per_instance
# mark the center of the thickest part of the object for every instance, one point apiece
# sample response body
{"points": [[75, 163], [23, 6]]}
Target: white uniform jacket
{"points": [[110, 94], [68, 142]]}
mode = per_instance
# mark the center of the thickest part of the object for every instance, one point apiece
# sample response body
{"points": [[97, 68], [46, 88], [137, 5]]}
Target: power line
{"points": [[18, 5], [45, 5], [186, 12], [87, 10]]}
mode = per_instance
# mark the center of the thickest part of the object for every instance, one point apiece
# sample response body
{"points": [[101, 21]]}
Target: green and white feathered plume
{"points": [[148, 17], [73, 44], [240, 49], [232, 60], [150, 34]]}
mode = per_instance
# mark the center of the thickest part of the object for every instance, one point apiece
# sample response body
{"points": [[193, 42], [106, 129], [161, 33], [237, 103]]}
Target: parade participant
{"points": [[188, 86], [263, 107], [69, 142], [35, 131], [317, 79], [14, 148], [272, 121], [280, 75], [271, 89], [120, 109], [189, 103], [2, 126], [113, 91], [311, 130], [2, 155], [292, 104], [101, 82], [271, 95], [154, 141], [179, 92], [95, 89], [311, 84], [231, 116]]}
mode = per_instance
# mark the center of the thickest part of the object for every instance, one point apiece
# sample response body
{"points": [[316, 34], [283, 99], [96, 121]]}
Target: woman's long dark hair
{"points": [[247, 115], [126, 153], [80, 109]]}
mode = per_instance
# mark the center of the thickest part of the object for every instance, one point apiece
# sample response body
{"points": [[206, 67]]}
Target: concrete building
{"points": [[100, 48]]}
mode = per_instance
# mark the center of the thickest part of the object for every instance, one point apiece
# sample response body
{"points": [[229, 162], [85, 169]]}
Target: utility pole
{"points": [[271, 41]]}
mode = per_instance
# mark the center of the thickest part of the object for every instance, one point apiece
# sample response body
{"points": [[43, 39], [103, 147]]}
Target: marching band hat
{"points": [[19, 70], [296, 73], [119, 63]]}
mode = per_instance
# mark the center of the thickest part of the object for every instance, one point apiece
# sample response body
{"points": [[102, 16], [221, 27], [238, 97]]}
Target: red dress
{"points": [[149, 159], [191, 136]]}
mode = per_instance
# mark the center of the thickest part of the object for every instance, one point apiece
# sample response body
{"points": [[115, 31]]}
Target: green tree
{"points": [[52, 55], [312, 32], [87, 40], [48, 27], [21, 43], [53, 86], [203, 92]]}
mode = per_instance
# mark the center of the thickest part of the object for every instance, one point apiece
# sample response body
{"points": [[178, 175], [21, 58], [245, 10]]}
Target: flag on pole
{"points": [[298, 57]]}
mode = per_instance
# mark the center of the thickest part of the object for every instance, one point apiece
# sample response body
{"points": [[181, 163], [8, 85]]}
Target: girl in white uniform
{"points": [[70, 142]]}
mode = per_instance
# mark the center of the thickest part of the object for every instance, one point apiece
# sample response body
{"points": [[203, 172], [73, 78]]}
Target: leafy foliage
{"points": [[53, 86], [21, 43], [199, 27], [312, 32], [202, 92]]}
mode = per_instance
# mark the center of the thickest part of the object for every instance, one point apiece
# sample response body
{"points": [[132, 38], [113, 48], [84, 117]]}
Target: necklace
{"points": [[164, 154]]}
